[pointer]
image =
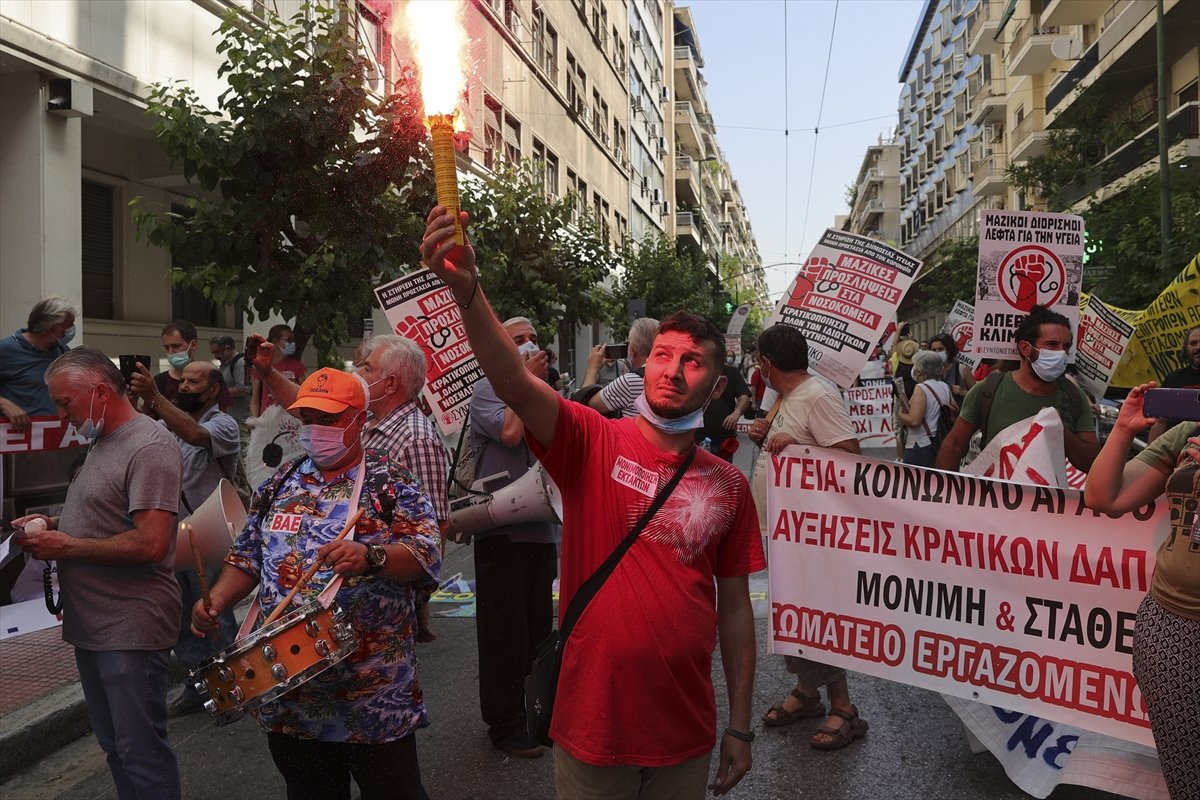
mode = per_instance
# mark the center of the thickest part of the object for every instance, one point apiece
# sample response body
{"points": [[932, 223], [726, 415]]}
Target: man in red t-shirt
{"points": [[635, 710]]}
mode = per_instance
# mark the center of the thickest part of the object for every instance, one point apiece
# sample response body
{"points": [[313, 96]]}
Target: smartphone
{"points": [[251, 348], [528, 350], [1181, 404], [129, 365], [614, 351]]}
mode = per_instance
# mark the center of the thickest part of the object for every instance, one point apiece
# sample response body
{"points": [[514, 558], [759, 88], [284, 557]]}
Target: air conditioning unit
{"points": [[994, 132], [666, 94], [636, 105], [652, 129]]}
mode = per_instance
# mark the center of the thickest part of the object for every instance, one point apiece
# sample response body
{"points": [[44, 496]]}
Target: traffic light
{"points": [[724, 300]]}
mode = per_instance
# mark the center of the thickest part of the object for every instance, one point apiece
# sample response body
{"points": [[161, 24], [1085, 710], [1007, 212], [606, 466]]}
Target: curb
{"points": [[36, 730]]}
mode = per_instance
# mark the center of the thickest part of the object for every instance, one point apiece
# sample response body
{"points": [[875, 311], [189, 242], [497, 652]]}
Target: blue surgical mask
{"points": [[288, 348], [90, 428], [1050, 364], [179, 360], [941, 354], [325, 444], [67, 336]]}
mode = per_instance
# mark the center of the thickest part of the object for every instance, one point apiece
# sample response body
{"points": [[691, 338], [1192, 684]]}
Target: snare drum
{"points": [[274, 659]]}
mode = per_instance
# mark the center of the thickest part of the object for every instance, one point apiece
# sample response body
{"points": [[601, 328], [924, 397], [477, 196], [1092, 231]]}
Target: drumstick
{"points": [[200, 576], [307, 576]]}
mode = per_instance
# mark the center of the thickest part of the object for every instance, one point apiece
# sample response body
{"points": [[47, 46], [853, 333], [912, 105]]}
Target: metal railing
{"points": [[1029, 28]]}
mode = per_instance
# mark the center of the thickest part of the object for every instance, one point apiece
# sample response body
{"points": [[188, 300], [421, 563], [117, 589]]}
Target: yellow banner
{"points": [[1154, 350]]}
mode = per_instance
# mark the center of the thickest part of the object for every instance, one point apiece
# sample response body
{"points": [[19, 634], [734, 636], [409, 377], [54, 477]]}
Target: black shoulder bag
{"points": [[541, 683]]}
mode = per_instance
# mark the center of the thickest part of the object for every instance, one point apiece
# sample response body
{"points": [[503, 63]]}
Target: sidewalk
{"points": [[41, 701]]}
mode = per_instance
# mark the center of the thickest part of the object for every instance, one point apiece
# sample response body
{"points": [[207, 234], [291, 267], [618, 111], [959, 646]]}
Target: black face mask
{"points": [[191, 402]]}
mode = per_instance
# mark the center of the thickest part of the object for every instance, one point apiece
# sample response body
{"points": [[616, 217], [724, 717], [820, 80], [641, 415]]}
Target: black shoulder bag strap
{"points": [[592, 585]]}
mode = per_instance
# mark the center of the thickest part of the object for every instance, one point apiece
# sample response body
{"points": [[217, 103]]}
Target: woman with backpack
{"points": [[923, 416], [956, 375]]}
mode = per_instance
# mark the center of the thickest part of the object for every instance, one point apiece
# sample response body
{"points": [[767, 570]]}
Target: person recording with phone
{"points": [[281, 362], [617, 398], [1166, 638], [1186, 377]]}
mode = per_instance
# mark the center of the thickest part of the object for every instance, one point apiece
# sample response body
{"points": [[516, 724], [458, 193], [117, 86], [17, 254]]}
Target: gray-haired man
{"points": [[25, 355]]}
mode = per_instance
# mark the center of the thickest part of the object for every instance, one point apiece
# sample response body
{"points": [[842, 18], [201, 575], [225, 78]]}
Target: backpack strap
{"points": [[1073, 394], [988, 393]]}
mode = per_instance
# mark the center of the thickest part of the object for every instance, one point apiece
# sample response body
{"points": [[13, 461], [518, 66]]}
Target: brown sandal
{"points": [[810, 707], [850, 728]]}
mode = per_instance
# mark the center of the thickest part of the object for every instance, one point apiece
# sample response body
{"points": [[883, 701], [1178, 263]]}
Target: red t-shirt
{"points": [[636, 681], [291, 368]]}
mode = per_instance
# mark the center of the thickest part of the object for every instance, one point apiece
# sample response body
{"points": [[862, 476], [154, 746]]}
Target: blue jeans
{"points": [[126, 694], [190, 649]]}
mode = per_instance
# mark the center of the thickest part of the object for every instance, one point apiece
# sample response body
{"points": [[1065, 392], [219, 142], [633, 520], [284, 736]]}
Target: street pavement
{"points": [[916, 746]]}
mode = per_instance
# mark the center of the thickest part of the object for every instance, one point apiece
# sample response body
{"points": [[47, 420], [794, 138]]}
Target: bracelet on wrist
{"points": [[745, 737], [474, 289]]}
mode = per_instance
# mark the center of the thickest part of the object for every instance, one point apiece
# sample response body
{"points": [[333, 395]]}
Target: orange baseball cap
{"points": [[332, 391]]}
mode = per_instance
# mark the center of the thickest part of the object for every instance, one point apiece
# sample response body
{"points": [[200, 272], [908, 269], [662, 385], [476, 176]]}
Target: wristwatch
{"points": [[376, 559]]}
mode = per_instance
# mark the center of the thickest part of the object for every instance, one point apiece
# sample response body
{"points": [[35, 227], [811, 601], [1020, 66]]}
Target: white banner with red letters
{"points": [[1026, 258], [40, 435], [1103, 337], [870, 407], [960, 325], [1014, 595], [420, 307], [843, 299]]}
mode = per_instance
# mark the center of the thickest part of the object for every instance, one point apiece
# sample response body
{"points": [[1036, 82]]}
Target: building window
{"points": [[546, 166], [512, 140], [491, 131], [545, 43], [97, 234]]}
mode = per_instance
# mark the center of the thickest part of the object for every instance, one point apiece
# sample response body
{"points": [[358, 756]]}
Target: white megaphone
{"points": [[214, 525], [531, 498]]}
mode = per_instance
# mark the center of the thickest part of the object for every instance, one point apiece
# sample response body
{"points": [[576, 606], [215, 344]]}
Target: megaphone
{"points": [[531, 498], [214, 525]]}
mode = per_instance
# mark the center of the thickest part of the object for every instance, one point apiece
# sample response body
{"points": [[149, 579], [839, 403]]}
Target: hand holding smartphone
{"points": [[1182, 404], [613, 352]]}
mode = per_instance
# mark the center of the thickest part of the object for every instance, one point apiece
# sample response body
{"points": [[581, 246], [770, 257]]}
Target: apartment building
{"points": [[649, 125], [876, 207]]}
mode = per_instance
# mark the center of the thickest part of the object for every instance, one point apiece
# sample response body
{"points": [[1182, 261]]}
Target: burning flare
{"points": [[439, 42]]}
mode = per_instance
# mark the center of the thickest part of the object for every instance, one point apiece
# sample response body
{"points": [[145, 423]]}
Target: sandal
{"points": [[810, 707], [850, 728]]}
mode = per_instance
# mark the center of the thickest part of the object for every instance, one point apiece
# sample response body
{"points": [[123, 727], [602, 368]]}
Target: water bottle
{"points": [[707, 444]]}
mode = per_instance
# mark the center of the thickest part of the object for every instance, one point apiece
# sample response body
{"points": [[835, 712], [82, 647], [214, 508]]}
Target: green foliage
{"points": [[670, 279], [533, 261], [314, 191], [1128, 226], [952, 269]]}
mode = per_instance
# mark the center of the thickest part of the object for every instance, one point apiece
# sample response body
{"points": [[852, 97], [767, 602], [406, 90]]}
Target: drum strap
{"points": [[325, 598]]}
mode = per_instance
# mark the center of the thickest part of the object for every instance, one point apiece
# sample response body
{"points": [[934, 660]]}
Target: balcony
{"points": [[1074, 12], [1183, 131], [687, 180], [687, 130], [1029, 53], [1060, 91], [1028, 138], [687, 227], [687, 79], [988, 104], [872, 175], [981, 40], [988, 178]]}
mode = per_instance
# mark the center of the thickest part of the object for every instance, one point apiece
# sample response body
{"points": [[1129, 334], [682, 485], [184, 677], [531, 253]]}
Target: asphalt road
{"points": [[915, 748]]}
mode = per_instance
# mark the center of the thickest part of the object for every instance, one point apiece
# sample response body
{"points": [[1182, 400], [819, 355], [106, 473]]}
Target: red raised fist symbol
{"points": [[1026, 273]]}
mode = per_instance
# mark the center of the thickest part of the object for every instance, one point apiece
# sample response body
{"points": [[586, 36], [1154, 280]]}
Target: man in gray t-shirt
{"points": [[115, 548]]}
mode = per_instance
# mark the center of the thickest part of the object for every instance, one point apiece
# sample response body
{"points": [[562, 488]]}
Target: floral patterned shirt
{"points": [[373, 696]]}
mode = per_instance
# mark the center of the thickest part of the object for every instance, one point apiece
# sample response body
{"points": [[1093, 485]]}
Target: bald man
{"points": [[209, 441]]}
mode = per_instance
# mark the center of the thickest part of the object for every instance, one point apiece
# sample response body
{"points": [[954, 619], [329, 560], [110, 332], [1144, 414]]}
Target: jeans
{"points": [[316, 770], [514, 612], [126, 694], [190, 649]]}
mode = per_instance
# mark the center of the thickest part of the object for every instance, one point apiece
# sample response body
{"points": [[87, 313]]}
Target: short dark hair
{"points": [[785, 346], [221, 341], [699, 329], [1031, 328], [948, 342], [185, 329], [277, 330]]}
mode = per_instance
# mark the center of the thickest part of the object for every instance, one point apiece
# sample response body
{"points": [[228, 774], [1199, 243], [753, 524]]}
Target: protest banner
{"points": [[420, 307], [738, 320], [1154, 351], [43, 434], [274, 440], [842, 300], [733, 346], [960, 326], [1103, 337], [870, 407], [1015, 595], [1026, 258]]}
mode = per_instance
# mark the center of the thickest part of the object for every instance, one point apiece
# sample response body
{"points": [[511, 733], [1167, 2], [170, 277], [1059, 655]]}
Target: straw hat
{"points": [[906, 350]]}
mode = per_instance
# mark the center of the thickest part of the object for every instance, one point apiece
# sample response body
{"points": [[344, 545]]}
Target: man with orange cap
{"points": [[357, 719]]}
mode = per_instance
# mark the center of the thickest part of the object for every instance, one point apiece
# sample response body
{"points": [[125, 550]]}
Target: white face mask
{"points": [[688, 422], [90, 428], [941, 354], [325, 444], [1050, 364]]}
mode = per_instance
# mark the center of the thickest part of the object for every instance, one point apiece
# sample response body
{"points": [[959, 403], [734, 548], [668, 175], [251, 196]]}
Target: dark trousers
{"points": [[315, 770], [514, 612]]}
